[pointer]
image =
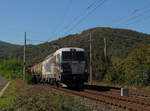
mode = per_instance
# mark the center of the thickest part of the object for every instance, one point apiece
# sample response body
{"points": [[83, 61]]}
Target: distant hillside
{"points": [[6, 49], [120, 42]]}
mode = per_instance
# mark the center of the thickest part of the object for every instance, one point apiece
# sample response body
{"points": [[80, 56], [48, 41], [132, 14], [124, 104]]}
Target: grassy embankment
{"points": [[37, 98], [9, 95], [26, 97], [10, 70], [133, 71]]}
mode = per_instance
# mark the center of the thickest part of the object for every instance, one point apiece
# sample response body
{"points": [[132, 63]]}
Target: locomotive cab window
{"points": [[73, 56]]}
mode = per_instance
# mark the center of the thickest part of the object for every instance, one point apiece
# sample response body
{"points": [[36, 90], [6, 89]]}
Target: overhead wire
{"points": [[140, 9], [76, 18], [137, 13], [85, 17], [33, 41], [134, 15], [62, 21]]}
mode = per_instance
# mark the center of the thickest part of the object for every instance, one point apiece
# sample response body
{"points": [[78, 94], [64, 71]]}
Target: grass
{"points": [[9, 95], [5, 74], [147, 88], [26, 97], [10, 75]]}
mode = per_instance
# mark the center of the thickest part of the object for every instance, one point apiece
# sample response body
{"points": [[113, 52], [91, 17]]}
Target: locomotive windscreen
{"points": [[73, 56]]}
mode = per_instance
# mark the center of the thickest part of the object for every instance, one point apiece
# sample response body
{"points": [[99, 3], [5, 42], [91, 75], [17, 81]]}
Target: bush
{"points": [[137, 66], [134, 70]]}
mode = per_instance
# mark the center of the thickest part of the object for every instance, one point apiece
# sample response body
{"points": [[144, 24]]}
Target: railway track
{"points": [[122, 98], [117, 91], [112, 98], [134, 93]]}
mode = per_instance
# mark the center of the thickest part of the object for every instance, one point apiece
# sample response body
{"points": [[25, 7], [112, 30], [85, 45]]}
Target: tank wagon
{"points": [[66, 65]]}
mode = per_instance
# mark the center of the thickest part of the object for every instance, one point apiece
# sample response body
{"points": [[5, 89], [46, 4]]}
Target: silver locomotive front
{"points": [[73, 67]]}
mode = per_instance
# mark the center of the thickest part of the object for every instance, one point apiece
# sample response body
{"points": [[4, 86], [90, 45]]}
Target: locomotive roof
{"points": [[64, 49], [69, 49], [51, 55]]}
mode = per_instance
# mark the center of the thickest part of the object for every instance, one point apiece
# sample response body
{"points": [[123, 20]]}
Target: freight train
{"points": [[66, 65]]}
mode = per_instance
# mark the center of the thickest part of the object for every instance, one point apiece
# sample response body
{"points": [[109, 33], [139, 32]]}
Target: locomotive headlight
{"points": [[61, 70]]}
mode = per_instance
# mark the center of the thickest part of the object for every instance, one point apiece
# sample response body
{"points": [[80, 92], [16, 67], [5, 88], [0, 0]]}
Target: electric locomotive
{"points": [[66, 65]]}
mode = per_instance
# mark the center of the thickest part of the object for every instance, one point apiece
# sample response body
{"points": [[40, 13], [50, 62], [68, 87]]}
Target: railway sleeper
{"points": [[128, 99], [119, 103]]}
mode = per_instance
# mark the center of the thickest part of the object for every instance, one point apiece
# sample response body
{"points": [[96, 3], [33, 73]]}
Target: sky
{"points": [[47, 20]]}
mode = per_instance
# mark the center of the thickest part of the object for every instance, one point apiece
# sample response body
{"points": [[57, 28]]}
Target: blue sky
{"points": [[46, 20]]}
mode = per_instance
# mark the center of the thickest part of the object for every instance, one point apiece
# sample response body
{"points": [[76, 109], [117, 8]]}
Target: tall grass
{"points": [[11, 69]]}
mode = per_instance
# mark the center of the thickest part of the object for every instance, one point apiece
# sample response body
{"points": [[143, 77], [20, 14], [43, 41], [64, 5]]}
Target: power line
{"points": [[92, 4], [62, 21], [78, 17], [138, 20], [135, 14], [84, 17], [34, 40], [140, 9], [87, 10]]}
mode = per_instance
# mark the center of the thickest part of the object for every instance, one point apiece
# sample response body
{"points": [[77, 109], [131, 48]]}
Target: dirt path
{"points": [[3, 85]]}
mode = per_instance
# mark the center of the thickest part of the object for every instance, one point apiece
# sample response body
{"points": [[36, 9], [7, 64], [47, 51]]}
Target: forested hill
{"points": [[120, 42], [6, 49]]}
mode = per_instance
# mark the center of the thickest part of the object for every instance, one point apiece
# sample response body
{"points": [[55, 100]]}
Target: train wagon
{"points": [[66, 65]]}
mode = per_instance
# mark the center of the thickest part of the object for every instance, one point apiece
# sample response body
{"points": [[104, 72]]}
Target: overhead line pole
{"points": [[90, 58], [24, 58], [105, 49]]}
